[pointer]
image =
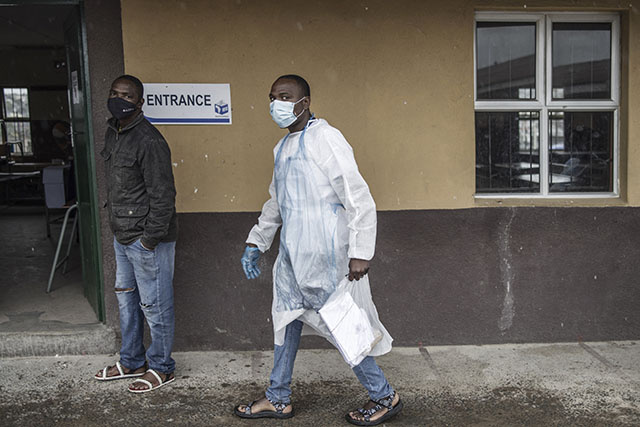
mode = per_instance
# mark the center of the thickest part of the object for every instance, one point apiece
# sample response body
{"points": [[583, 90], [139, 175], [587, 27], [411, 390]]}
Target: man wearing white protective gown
{"points": [[328, 230]]}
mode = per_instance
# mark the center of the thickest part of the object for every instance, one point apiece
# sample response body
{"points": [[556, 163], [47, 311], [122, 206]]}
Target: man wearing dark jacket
{"points": [[141, 205]]}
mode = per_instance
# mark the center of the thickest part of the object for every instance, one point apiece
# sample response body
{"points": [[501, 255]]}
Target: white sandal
{"points": [[148, 383], [121, 373]]}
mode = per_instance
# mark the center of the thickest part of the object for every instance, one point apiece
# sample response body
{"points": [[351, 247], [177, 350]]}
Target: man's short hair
{"points": [[135, 81], [302, 83]]}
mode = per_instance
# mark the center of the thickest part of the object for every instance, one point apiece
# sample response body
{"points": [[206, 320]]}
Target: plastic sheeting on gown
{"points": [[349, 326], [327, 216]]}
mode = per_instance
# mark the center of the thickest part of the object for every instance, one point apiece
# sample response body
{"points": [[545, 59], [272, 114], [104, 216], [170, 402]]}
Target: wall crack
{"points": [[506, 274]]}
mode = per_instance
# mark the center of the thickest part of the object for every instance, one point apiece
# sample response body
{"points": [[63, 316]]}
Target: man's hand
{"points": [[250, 261], [358, 268], [146, 248]]}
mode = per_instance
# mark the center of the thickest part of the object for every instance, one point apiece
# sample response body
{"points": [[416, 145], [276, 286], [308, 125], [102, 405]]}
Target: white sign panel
{"points": [[187, 104], [75, 95]]}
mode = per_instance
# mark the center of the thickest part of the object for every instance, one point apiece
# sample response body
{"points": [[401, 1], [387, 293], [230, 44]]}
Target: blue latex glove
{"points": [[250, 262]]}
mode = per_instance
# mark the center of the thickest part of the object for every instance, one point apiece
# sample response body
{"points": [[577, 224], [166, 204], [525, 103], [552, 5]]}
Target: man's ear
{"points": [[306, 102], [141, 102]]}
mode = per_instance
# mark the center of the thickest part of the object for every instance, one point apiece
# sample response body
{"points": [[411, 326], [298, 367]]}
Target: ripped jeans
{"points": [[144, 288]]}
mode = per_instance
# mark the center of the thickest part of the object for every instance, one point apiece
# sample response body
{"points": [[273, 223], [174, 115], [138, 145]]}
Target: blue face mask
{"points": [[282, 112]]}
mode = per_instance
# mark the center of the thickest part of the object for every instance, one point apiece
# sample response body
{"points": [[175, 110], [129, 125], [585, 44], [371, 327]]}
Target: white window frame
{"points": [[543, 102]]}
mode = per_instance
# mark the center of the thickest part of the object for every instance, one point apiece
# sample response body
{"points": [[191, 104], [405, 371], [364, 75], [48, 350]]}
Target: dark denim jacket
{"points": [[140, 189]]}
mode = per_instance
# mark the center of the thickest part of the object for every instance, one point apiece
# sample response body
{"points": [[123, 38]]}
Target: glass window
{"points": [[506, 60], [16, 103], [507, 151], [573, 149], [16, 120], [581, 153], [581, 60]]}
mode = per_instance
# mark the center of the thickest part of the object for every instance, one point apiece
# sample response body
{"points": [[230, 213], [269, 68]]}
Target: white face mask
{"points": [[282, 112]]}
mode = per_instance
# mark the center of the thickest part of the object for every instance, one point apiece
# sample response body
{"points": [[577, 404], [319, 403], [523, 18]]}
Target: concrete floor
{"points": [[572, 384], [28, 315]]}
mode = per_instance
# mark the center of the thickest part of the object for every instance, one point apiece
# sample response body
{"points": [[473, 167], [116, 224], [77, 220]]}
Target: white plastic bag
{"points": [[349, 326]]}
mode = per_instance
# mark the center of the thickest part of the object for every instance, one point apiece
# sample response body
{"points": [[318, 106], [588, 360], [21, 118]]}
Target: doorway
{"points": [[46, 165]]}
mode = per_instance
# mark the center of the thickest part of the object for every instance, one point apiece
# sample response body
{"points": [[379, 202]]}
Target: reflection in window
{"points": [[506, 60], [579, 139], [580, 156], [556, 130], [581, 60], [507, 151]]}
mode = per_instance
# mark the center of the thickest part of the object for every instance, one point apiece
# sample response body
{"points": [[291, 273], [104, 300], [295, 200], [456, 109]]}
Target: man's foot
{"points": [[376, 412], [117, 372], [263, 408], [151, 380]]}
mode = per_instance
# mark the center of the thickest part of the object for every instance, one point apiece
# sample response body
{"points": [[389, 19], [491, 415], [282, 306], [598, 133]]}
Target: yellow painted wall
{"points": [[396, 77], [633, 115]]}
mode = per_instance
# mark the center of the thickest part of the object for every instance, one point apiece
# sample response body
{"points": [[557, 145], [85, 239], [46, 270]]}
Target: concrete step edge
{"points": [[92, 339]]}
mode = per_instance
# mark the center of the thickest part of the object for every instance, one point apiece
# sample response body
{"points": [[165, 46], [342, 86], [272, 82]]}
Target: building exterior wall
{"points": [[456, 276], [397, 79], [106, 61]]}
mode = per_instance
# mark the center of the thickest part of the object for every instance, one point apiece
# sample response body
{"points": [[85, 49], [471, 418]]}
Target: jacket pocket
{"points": [[130, 211], [129, 218], [126, 175], [123, 160], [106, 154]]}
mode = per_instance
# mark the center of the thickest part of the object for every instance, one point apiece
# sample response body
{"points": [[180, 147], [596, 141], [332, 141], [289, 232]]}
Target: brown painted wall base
{"points": [[475, 276]]}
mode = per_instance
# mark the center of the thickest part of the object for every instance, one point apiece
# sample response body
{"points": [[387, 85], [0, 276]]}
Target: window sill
{"points": [[568, 199]]}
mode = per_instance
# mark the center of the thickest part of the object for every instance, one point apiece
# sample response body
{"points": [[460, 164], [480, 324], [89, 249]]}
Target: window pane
{"points": [[580, 153], [506, 55], [581, 61], [19, 137], [507, 152], [16, 102]]}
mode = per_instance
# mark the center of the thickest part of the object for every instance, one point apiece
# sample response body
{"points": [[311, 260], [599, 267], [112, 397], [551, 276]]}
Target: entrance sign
{"points": [[187, 104]]}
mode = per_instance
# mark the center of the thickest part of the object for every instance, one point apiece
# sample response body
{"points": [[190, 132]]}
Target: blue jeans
{"points": [[284, 356], [147, 279]]}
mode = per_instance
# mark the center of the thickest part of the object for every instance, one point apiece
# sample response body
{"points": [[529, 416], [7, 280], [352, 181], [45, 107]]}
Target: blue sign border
{"points": [[221, 120]]}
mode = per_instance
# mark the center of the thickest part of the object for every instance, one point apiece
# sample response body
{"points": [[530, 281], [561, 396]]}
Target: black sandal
{"points": [[278, 413], [386, 402]]}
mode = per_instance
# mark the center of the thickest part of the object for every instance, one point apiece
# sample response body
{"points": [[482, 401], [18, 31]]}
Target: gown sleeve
{"points": [[264, 231], [336, 160]]}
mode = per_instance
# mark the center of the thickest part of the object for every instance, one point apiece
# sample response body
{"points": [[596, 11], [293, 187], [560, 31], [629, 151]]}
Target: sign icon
{"points": [[221, 107]]}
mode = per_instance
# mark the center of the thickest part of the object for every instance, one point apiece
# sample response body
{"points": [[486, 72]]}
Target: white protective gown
{"points": [[327, 216]]}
